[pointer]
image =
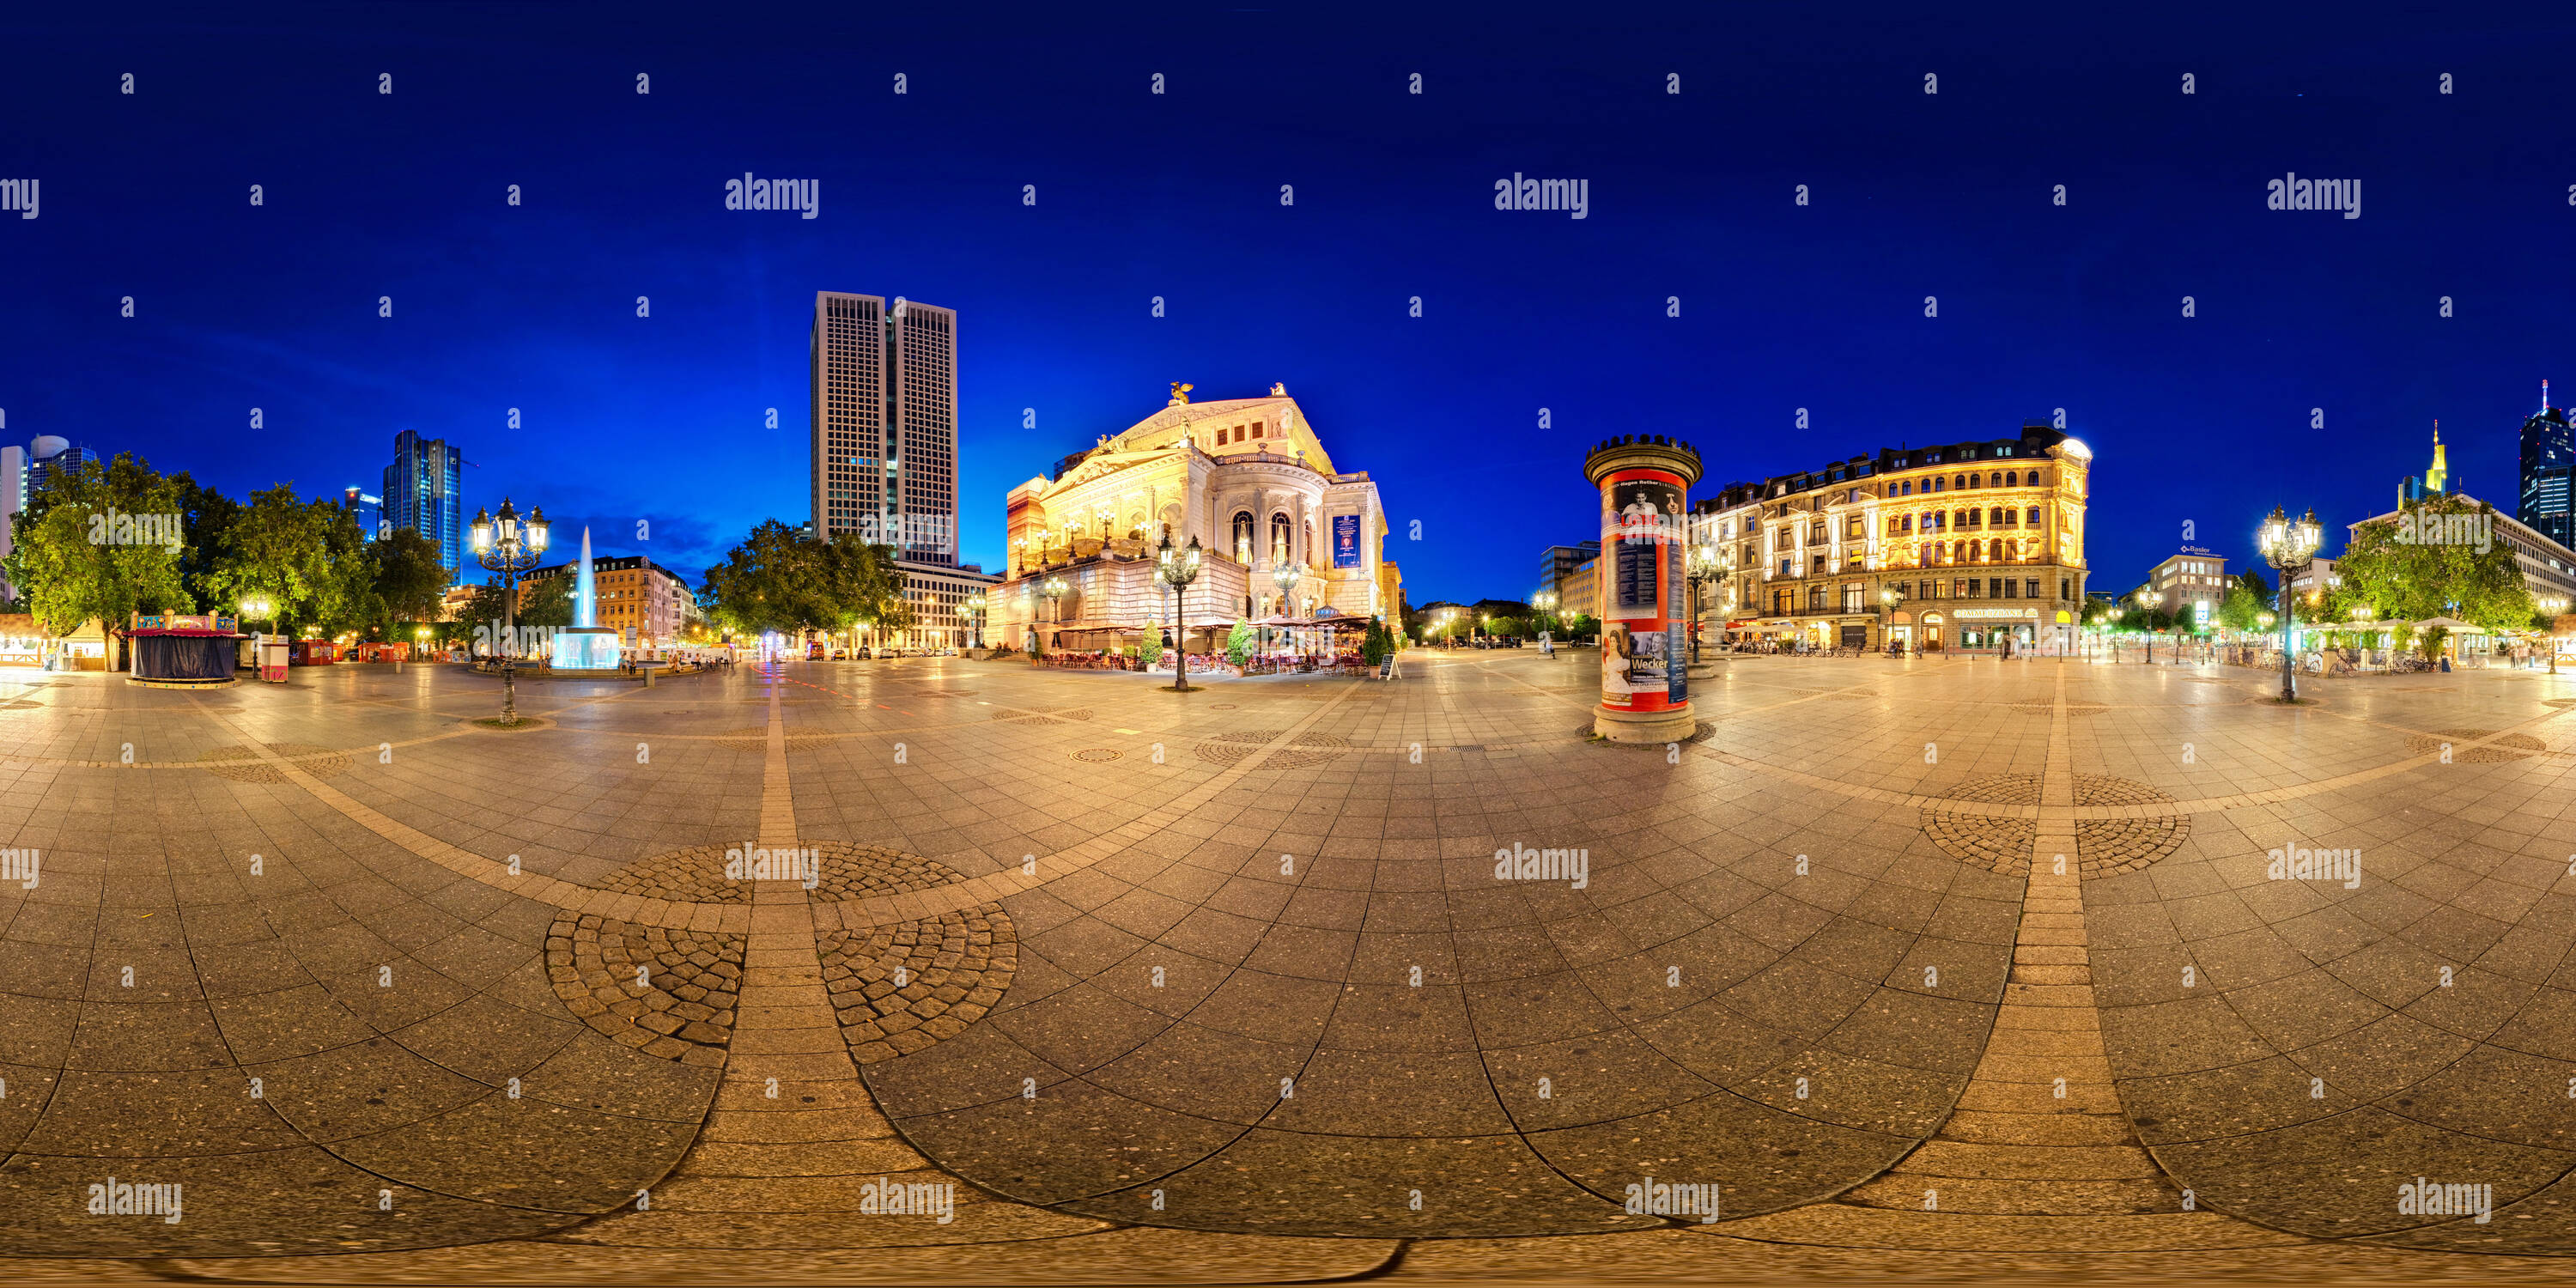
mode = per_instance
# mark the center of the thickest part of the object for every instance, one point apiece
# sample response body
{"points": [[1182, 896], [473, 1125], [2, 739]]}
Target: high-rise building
{"points": [[12, 499], [2434, 481], [422, 491], [2547, 463], [885, 423], [49, 457], [369, 509], [1557, 562]]}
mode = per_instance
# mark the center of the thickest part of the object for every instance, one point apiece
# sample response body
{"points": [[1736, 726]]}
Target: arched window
{"points": [[1278, 539], [1995, 549], [1243, 543], [2034, 516], [1976, 480], [1936, 484], [2001, 517], [2012, 478], [1958, 481]]}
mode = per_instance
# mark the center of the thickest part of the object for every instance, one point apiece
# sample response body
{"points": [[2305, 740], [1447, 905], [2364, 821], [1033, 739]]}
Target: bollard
{"points": [[648, 675]]}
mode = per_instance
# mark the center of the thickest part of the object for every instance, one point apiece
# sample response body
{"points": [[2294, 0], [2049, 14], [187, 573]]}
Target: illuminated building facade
{"points": [[1973, 547]]}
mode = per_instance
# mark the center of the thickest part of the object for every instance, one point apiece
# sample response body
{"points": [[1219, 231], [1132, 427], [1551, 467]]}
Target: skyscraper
{"points": [[422, 488], [51, 457], [885, 423], [2547, 461]]}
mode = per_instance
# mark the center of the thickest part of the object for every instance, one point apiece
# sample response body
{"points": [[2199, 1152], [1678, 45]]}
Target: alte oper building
{"points": [[1963, 547], [1246, 476]]}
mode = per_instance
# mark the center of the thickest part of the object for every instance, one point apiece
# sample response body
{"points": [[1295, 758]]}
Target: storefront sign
{"points": [[1994, 614]]}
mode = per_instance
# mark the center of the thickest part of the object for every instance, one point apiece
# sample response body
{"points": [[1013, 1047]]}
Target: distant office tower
{"points": [[369, 509], [12, 499], [49, 457], [2547, 462], [885, 423], [422, 488]]}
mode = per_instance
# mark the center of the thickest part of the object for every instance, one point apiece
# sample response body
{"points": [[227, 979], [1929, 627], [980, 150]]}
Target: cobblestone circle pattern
{"points": [[683, 1010], [243, 765], [952, 969], [2512, 746]]}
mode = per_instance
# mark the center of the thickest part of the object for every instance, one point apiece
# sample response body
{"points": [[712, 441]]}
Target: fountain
{"points": [[585, 646]]}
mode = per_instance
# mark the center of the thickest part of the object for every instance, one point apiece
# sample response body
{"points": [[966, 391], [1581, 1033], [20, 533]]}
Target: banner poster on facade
{"points": [[1346, 541], [1640, 517]]}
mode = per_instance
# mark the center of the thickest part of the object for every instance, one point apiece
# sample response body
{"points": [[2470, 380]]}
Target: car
{"points": [[864, 654]]}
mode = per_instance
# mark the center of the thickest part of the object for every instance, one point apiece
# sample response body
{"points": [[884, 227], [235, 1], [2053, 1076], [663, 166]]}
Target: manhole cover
{"points": [[2512, 746], [667, 993], [898, 989], [2558, 702], [1304, 750], [1701, 732], [243, 765], [1096, 755], [19, 706]]}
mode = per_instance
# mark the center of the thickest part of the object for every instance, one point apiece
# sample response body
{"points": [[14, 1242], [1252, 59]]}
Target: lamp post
{"points": [[1700, 565], [1890, 598], [975, 608], [509, 547], [1054, 588], [2288, 545], [1177, 567], [2549, 638], [1545, 602], [1285, 576], [2146, 604]]}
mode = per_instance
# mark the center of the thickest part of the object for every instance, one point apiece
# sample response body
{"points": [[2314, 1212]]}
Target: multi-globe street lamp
{"points": [[1177, 567], [1545, 602], [1285, 576], [2288, 545], [974, 607], [509, 548], [2146, 605], [1055, 589], [1700, 565]]}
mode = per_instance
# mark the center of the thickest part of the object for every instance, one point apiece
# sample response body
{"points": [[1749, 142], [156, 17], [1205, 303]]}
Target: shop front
{"points": [[1994, 630]]}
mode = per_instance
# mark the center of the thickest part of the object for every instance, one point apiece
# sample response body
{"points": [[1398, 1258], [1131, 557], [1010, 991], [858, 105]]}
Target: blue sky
{"points": [[2203, 419]]}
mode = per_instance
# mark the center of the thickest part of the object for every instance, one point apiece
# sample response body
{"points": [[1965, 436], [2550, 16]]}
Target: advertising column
{"points": [[1645, 500]]}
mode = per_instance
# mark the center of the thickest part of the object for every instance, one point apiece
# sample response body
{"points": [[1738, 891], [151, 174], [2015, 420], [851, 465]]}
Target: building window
{"points": [[1243, 537], [2004, 589], [1278, 539], [1936, 483], [2034, 516], [1958, 481], [1976, 480]]}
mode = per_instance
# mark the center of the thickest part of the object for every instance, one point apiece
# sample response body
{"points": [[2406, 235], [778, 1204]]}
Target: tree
{"points": [[1377, 643], [79, 551], [408, 576], [1239, 643], [278, 547], [765, 583], [2244, 606], [207, 516], [2399, 573], [547, 601], [1579, 625]]}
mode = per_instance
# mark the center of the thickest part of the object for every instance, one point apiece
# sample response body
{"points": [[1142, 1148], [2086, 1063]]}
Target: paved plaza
{"points": [[970, 971]]}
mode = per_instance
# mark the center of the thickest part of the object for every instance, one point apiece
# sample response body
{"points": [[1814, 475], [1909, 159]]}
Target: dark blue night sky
{"points": [[2206, 419]]}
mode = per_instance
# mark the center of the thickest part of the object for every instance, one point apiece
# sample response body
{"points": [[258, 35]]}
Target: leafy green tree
{"points": [[279, 547], [1151, 648], [547, 601], [71, 561], [408, 576], [1239, 643], [2248, 598], [1580, 626], [207, 516], [1377, 643], [2414, 579], [765, 583]]}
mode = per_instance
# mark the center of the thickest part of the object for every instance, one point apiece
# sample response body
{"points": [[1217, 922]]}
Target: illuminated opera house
{"points": [[1287, 539]]}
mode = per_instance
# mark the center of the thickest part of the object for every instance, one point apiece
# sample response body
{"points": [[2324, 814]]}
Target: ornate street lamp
{"points": [[1889, 597], [975, 605], [259, 607], [1055, 589], [1545, 602], [2146, 604], [1286, 577], [1700, 565], [2288, 545], [509, 547], [1177, 567]]}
